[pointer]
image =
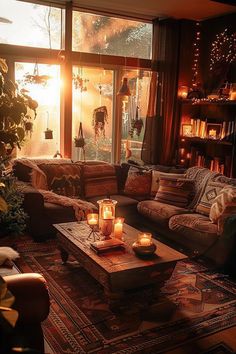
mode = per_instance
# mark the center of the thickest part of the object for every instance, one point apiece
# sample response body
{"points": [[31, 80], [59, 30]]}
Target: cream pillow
{"points": [[7, 254], [224, 204]]}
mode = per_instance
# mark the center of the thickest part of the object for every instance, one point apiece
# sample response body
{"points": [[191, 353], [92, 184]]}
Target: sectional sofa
{"points": [[180, 218]]}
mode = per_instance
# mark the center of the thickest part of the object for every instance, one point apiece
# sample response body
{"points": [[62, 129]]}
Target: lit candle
{"points": [[118, 227], [107, 214], [92, 219], [145, 239], [212, 133]]}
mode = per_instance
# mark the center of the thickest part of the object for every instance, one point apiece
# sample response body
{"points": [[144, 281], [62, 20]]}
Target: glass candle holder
{"points": [[118, 227], [92, 221], [144, 247], [107, 209]]}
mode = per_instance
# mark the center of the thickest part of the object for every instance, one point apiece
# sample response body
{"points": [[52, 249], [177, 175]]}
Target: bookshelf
{"points": [[207, 135]]}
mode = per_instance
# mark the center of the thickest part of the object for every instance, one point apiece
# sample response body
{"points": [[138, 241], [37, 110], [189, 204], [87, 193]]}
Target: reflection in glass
{"points": [[92, 106], [48, 111], [30, 24], [109, 35]]}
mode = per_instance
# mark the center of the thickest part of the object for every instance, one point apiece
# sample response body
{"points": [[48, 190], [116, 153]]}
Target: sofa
{"points": [[32, 304], [184, 222]]}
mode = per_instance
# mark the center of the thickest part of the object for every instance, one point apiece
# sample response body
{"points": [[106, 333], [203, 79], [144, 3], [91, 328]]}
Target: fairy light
{"points": [[196, 54], [223, 48]]}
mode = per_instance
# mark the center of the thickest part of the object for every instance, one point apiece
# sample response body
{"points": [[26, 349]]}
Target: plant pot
{"points": [[48, 134], [80, 142]]}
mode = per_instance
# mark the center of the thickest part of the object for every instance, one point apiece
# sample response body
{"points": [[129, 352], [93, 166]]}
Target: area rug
{"points": [[194, 303]]}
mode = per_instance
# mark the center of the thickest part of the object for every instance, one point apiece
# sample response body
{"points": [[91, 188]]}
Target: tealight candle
{"points": [[145, 239], [118, 227], [92, 219]]}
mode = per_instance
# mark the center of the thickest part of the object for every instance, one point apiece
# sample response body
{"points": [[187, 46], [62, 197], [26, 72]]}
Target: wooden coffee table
{"points": [[120, 270]]}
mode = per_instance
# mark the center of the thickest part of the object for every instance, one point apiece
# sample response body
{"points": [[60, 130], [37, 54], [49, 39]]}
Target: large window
{"points": [[47, 95], [109, 35], [30, 25], [93, 107]]}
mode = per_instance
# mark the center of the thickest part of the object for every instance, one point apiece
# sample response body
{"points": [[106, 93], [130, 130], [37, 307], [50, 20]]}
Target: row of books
{"points": [[217, 164], [207, 130]]}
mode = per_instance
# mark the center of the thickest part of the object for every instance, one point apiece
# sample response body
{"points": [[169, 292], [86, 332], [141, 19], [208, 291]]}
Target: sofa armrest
{"points": [[32, 198], [31, 296]]}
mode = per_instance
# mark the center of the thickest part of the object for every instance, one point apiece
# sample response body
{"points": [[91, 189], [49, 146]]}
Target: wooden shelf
{"points": [[204, 102], [204, 140]]}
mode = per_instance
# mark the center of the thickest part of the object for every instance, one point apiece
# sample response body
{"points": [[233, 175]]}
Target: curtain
{"points": [[162, 124]]}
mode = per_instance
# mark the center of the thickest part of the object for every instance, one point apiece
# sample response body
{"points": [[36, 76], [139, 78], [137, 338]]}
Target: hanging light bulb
{"points": [[124, 90]]}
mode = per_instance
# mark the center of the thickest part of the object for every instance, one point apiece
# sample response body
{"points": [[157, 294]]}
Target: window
{"points": [[48, 111], [133, 111], [30, 24], [93, 107], [109, 35]]}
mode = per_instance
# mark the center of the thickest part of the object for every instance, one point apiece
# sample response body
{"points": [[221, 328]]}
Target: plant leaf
{"points": [[3, 205]]}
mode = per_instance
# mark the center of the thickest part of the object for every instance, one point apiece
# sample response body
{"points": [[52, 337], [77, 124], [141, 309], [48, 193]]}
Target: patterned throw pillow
{"points": [[211, 192], [63, 179], [99, 180], [156, 179], [224, 204], [138, 182], [175, 191]]}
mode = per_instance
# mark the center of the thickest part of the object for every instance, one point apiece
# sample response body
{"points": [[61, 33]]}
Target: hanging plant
{"points": [[136, 125], [100, 118]]}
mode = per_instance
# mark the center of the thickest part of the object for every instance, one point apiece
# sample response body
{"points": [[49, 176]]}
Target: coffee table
{"points": [[118, 270]]}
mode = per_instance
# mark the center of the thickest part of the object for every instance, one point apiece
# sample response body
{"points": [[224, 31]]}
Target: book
{"points": [[107, 245]]}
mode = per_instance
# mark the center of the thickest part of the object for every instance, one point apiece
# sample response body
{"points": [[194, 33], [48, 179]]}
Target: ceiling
{"points": [[150, 9]]}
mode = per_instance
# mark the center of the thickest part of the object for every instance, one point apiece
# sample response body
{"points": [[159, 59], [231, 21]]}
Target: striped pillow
{"points": [[211, 192], [99, 180], [156, 175], [175, 191]]}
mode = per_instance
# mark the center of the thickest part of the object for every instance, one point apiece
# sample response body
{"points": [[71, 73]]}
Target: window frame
{"points": [[66, 58]]}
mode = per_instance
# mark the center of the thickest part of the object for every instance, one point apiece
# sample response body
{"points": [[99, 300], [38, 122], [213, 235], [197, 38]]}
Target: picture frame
{"points": [[187, 130], [213, 131]]}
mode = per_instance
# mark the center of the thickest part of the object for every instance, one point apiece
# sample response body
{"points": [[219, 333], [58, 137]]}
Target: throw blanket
{"points": [[38, 177], [81, 207]]}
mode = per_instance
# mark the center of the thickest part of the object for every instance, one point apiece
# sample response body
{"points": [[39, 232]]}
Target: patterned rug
{"points": [[194, 303]]}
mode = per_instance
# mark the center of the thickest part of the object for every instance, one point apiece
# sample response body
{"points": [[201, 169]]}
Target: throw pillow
{"points": [[175, 191], [224, 204], [211, 192], [99, 180], [138, 182], [7, 255], [63, 179], [156, 179]]}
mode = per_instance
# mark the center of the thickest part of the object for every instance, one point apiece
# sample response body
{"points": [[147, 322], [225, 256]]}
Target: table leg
{"points": [[114, 299], [64, 255]]}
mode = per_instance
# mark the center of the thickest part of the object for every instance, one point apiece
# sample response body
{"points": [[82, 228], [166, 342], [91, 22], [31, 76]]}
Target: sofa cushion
{"points": [[224, 205], [175, 191], [159, 212], [156, 175], [210, 193], [63, 179], [195, 227], [99, 180], [138, 182]]}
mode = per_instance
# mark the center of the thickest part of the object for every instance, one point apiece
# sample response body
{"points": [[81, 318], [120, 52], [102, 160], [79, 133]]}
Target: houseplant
{"points": [[15, 109]]}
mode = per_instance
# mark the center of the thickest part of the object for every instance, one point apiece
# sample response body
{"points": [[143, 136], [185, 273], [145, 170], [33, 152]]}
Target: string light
{"points": [[196, 54], [223, 49]]}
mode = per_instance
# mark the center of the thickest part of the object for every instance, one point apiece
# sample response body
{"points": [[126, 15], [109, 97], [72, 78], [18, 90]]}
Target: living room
{"points": [[118, 176]]}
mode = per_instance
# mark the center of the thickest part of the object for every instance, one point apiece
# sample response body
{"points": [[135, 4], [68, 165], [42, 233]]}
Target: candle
{"points": [[145, 239], [92, 219], [118, 227], [212, 133], [107, 214]]}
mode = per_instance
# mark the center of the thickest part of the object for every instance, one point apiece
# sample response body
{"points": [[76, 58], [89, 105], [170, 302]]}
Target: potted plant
{"points": [[15, 109]]}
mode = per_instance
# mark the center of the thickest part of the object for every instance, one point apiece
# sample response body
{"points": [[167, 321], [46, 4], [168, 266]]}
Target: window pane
{"points": [[92, 105], [134, 111], [110, 35], [30, 24], [48, 111]]}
